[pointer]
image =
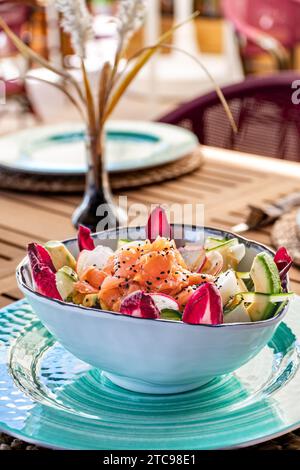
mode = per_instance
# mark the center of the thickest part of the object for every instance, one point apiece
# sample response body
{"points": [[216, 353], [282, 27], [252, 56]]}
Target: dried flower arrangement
{"points": [[76, 20]]}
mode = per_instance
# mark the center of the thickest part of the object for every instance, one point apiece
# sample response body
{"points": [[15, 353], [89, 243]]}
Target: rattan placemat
{"points": [[68, 184]]}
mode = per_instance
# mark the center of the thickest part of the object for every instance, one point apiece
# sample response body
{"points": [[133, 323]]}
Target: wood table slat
{"points": [[225, 184]]}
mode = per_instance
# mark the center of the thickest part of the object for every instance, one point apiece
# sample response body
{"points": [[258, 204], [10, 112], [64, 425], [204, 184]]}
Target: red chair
{"points": [[268, 121], [16, 16], [265, 25]]}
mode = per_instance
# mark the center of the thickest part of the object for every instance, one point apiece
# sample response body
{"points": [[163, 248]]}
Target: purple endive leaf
{"points": [[139, 304], [43, 275], [44, 256], [204, 306], [158, 225], [283, 261], [85, 241]]}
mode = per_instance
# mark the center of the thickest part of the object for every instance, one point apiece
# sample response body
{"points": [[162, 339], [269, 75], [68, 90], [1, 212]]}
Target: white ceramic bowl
{"points": [[145, 355]]}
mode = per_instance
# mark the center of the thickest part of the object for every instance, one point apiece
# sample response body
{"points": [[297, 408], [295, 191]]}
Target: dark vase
{"points": [[97, 210]]}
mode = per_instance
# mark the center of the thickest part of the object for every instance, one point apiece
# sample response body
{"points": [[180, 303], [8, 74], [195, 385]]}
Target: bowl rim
{"points": [[94, 312]]}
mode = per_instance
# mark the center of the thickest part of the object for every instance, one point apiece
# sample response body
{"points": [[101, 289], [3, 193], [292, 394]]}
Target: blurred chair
{"points": [[266, 25], [176, 77], [268, 121], [12, 65]]}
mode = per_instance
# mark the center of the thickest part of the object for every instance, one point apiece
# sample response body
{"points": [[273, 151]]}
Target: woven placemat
{"points": [[70, 184], [285, 232]]}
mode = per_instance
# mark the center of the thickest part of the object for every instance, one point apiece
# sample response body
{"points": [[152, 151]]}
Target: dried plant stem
{"points": [[103, 92], [145, 56], [29, 53], [115, 68], [206, 71], [89, 99]]}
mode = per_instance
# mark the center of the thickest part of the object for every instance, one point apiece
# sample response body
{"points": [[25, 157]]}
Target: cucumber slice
{"points": [[266, 280], [235, 311], [212, 242], [65, 280], [223, 244], [251, 297]]}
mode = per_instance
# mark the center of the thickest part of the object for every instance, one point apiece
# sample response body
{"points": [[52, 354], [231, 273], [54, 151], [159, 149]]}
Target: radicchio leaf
{"points": [[139, 304], [42, 273], [204, 306], [283, 262], [158, 225], [85, 241]]}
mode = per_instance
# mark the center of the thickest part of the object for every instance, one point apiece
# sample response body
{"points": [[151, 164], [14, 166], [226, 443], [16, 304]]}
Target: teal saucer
{"points": [[50, 398]]}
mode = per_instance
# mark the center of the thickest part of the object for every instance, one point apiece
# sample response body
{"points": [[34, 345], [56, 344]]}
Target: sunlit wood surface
{"points": [[226, 183]]}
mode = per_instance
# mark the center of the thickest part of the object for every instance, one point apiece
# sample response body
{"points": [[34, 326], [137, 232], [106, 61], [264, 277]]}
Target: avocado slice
{"points": [[60, 255], [65, 280], [170, 314]]}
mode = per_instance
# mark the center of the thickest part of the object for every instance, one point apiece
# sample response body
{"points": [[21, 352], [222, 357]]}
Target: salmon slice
{"points": [[151, 267], [93, 276]]}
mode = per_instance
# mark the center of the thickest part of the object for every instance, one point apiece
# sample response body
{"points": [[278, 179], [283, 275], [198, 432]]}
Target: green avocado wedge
{"points": [[170, 314], [60, 255], [65, 280]]}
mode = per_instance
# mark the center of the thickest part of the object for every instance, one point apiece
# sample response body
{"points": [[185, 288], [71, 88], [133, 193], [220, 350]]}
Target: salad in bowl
{"points": [[149, 311]]}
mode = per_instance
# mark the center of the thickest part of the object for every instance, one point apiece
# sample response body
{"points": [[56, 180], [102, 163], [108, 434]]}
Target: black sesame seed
{"points": [[158, 278]]}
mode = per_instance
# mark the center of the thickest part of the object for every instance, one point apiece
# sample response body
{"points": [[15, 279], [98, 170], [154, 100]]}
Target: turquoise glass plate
{"points": [[49, 397], [60, 149]]}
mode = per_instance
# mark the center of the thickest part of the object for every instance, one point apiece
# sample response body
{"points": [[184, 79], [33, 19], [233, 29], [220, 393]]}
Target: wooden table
{"points": [[225, 184]]}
